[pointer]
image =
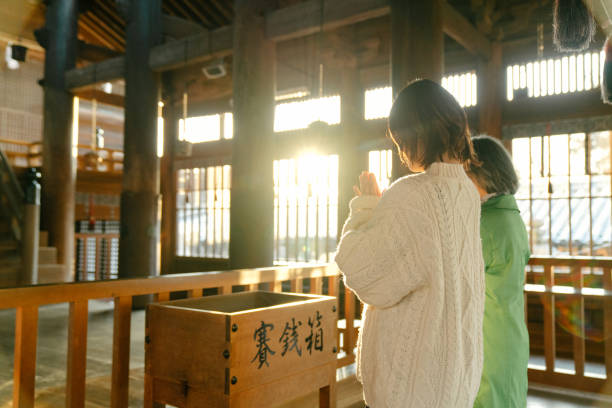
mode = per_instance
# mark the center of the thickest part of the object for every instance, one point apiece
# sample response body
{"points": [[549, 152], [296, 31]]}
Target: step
{"points": [[9, 260], [8, 275], [43, 238], [47, 255], [8, 245], [51, 273]]}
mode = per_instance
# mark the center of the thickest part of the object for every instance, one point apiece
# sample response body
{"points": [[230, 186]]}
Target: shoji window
{"points": [[463, 86], [207, 128], [574, 73], [564, 194], [203, 212], [381, 164], [298, 115], [305, 209]]}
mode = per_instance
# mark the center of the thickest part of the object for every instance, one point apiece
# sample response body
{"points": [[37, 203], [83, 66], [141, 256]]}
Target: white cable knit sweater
{"points": [[415, 260]]}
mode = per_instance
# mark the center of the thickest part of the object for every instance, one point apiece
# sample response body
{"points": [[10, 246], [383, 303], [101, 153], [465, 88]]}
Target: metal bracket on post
{"points": [[31, 227]]}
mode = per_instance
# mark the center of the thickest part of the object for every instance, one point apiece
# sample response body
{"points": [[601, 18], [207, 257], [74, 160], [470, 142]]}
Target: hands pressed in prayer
{"points": [[367, 185]]}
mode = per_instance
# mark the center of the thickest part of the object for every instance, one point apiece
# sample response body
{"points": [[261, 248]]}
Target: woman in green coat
{"points": [[506, 252]]}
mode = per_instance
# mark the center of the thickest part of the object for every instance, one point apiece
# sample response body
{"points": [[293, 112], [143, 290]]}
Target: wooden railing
{"points": [[21, 153], [563, 279], [27, 301], [29, 154]]}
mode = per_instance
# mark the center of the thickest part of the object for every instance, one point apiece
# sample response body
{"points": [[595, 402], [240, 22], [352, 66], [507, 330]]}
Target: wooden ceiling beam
{"points": [[195, 10], [183, 13], [111, 12], [178, 28], [85, 25], [107, 29], [105, 71], [111, 19], [459, 29], [307, 18], [94, 53], [222, 7], [299, 20], [207, 45], [214, 14], [102, 97]]}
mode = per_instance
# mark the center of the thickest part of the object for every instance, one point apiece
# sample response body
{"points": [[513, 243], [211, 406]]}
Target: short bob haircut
{"points": [[426, 124], [496, 174]]}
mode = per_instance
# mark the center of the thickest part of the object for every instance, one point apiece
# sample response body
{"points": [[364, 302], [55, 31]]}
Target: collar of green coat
{"points": [[502, 202]]}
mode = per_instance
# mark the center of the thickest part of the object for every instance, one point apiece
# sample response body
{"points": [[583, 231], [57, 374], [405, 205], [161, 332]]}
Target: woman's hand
{"points": [[367, 185]]}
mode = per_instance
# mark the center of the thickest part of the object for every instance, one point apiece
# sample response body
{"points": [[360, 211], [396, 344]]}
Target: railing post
{"points": [[297, 285], [31, 228], [316, 286], [24, 371], [607, 283], [77, 355], [548, 300], [194, 293], [121, 352], [277, 286], [161, 297], [578, 312], [349, 316]]}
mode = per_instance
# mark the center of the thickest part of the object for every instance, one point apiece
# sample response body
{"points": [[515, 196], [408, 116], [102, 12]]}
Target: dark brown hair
{"points": [[426, 123]]}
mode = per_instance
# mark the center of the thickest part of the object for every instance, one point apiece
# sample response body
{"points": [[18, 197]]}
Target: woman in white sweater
{"points": [[413, 256]]}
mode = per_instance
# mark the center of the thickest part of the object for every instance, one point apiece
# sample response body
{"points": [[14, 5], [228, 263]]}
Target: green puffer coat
{"points": [[505, 248]]}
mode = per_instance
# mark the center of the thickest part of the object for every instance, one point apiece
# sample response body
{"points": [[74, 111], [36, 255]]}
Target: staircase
{"points": [[11, 216]]}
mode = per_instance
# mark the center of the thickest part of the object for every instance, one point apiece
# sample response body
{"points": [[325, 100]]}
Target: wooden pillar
{"points": [[417, 42], [252, 198], [417, 48], [167, 176], [138, 239], [352, 160], [59, 162], [491, 93]]}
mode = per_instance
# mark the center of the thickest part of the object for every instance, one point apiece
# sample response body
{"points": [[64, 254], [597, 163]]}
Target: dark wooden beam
{"points": [[87, 26], [102, 97], [171, 114], [94, 53], [105, 71], [306, 18], [218, 17], [252, 198], [107, 29], [207, 45], [301, 20], [351, 160], [459, 29], [554, 108], [178, 28], [59, 164], [417, 48], [491, 86], [140, 186], [179, 8]]}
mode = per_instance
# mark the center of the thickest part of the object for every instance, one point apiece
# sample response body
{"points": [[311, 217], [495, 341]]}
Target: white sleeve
{"points": [[391, 254]]}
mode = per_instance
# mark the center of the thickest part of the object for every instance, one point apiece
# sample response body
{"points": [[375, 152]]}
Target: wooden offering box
{"points": [[250, 349]]}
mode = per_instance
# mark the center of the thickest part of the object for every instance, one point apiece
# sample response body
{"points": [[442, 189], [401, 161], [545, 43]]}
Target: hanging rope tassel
{"points": [[574, 25]]}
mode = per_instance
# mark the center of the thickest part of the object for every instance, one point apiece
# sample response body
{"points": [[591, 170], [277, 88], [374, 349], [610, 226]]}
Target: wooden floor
{"points": [[98, 394], [51, 365]]}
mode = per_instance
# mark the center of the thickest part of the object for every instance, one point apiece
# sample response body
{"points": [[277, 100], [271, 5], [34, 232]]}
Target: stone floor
{"points": [[51, 363]]}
